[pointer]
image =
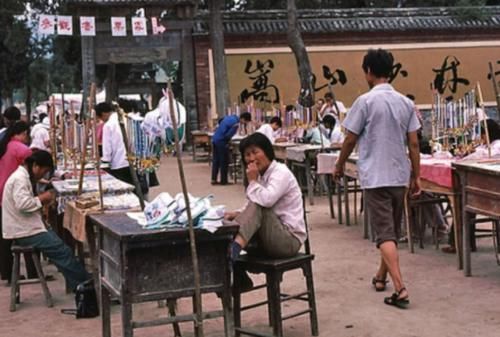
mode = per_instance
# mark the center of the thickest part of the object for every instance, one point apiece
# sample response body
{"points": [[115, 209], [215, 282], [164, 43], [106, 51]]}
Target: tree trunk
{"points": [[28, 99], [306, 95], [219, 60]]}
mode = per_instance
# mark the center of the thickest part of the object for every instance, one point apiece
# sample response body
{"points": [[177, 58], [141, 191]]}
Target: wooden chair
{"points": [[416, 225], [274, 270], [15, 293]]}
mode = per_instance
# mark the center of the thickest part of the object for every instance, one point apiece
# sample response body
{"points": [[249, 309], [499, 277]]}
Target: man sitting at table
{"points": [[269, 130], [22, 219], [273, 216]]}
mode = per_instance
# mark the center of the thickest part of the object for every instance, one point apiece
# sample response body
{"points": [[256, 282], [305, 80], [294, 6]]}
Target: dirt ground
{"points": [[443, 301]]}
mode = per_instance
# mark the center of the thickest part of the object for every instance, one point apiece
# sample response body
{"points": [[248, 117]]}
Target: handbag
{"points": [[85, 300]]}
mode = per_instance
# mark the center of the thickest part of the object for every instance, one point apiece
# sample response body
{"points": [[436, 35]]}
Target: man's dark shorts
{"points": [[385, 208]]}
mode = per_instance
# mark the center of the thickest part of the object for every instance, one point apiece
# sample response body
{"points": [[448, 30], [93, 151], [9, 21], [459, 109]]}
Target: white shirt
{"points": [[278, 190], [21, 216], [326, 109], [39, 136], [482, 151], [267, 130], [113, 148]]}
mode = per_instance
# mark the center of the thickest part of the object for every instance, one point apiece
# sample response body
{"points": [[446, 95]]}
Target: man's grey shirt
{"points": [[382, 119]]}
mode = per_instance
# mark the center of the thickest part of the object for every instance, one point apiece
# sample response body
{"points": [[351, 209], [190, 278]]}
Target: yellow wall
{"points": [[418, 60]]}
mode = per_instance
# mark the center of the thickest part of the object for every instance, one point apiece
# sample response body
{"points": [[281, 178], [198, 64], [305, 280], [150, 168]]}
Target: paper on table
{"points": [[138, 216]]}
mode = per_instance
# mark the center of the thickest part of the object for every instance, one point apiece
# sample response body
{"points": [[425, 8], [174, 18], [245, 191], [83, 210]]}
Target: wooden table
{"points": [[280, 150], [201, 139], [480, 185], [139, 265], [302, 157], [326, 165]]}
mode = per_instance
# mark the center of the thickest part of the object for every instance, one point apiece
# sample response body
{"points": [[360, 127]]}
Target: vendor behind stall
{"points": [[22, 219]]}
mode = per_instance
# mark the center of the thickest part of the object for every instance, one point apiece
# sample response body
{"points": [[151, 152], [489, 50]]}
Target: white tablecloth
{"points": [[326, 162], [298, 153]]}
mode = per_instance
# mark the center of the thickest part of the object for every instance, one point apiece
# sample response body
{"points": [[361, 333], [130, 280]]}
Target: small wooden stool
{"points": [[15, 292]]}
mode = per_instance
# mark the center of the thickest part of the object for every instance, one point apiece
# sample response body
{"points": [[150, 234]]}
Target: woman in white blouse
{"points": [[273, 216]]}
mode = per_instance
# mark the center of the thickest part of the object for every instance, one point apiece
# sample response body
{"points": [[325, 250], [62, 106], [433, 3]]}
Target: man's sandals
{"points": [[376, 282], [395, 300]]}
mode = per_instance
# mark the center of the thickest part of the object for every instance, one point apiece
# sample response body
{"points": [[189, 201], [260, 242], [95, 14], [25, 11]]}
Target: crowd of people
{"points": [[382, 123]]}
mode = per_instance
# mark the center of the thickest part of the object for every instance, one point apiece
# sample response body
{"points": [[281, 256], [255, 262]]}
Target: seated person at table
{"points": [[269, 130], [273, 217], [22, 219], [332, 130], [314, 135], [481, 152]]}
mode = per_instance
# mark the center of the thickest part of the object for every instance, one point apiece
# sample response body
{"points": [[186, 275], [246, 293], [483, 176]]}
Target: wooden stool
{"points": [[15, 292], [274, 270]]}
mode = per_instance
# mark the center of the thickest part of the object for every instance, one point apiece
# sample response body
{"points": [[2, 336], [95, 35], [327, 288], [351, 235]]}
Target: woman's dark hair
{"points": [[12, 113], [259, 140], [15, 129], [41, 116], [276, 120], [493, 130], [379, 62], [41, 158], [329, 121], [102, 108], [246, 116]]}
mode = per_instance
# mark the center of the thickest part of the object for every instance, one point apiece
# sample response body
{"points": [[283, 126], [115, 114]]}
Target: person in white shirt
{"points": [[40, 138], [273, 216], [329, 108], [270, 129], [22, 219], [113, 147], [332, 130]]}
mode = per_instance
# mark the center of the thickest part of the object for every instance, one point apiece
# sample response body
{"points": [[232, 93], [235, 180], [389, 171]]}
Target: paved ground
{"points": [[443, 302]]}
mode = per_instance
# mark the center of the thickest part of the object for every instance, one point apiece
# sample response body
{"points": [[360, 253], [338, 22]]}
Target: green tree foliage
{"points": [[14, 38]]}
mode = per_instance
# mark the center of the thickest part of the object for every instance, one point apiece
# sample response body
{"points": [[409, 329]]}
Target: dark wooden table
{"points": [[202, 140], [138, 265], [480, 184]]}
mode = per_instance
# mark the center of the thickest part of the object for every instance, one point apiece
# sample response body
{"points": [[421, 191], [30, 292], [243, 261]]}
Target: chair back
{"points": [[307, 244]]}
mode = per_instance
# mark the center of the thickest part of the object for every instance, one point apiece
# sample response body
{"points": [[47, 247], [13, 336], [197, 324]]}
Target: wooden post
{"points": [[53, 136], [192, 239], [72, 127], [63, 127], [85, 140], [495, 89], [481, 104], [97, 157]]}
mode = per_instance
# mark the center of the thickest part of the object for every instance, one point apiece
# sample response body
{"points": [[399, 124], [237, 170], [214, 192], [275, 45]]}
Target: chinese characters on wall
{"points": [[263, 78]]}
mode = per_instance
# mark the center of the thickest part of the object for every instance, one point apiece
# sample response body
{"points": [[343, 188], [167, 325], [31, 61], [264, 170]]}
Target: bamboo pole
{"points": [[133, 173], [85, 140], [481, 104], [73, 139], [98, 159], [192, 239], [62, 123], [495, 89], [53, 139]]}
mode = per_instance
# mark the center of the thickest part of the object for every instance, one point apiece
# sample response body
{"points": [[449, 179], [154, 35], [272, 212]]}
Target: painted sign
{"points": [[268, 76]]}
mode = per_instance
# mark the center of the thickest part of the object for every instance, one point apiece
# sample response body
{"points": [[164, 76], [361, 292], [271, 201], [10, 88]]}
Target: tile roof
{"points": [[131, 2], [351, 20]]}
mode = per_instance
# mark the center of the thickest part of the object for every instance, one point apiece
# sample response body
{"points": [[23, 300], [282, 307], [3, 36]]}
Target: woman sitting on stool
{"points": [[273, 216], [22, 219]]}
